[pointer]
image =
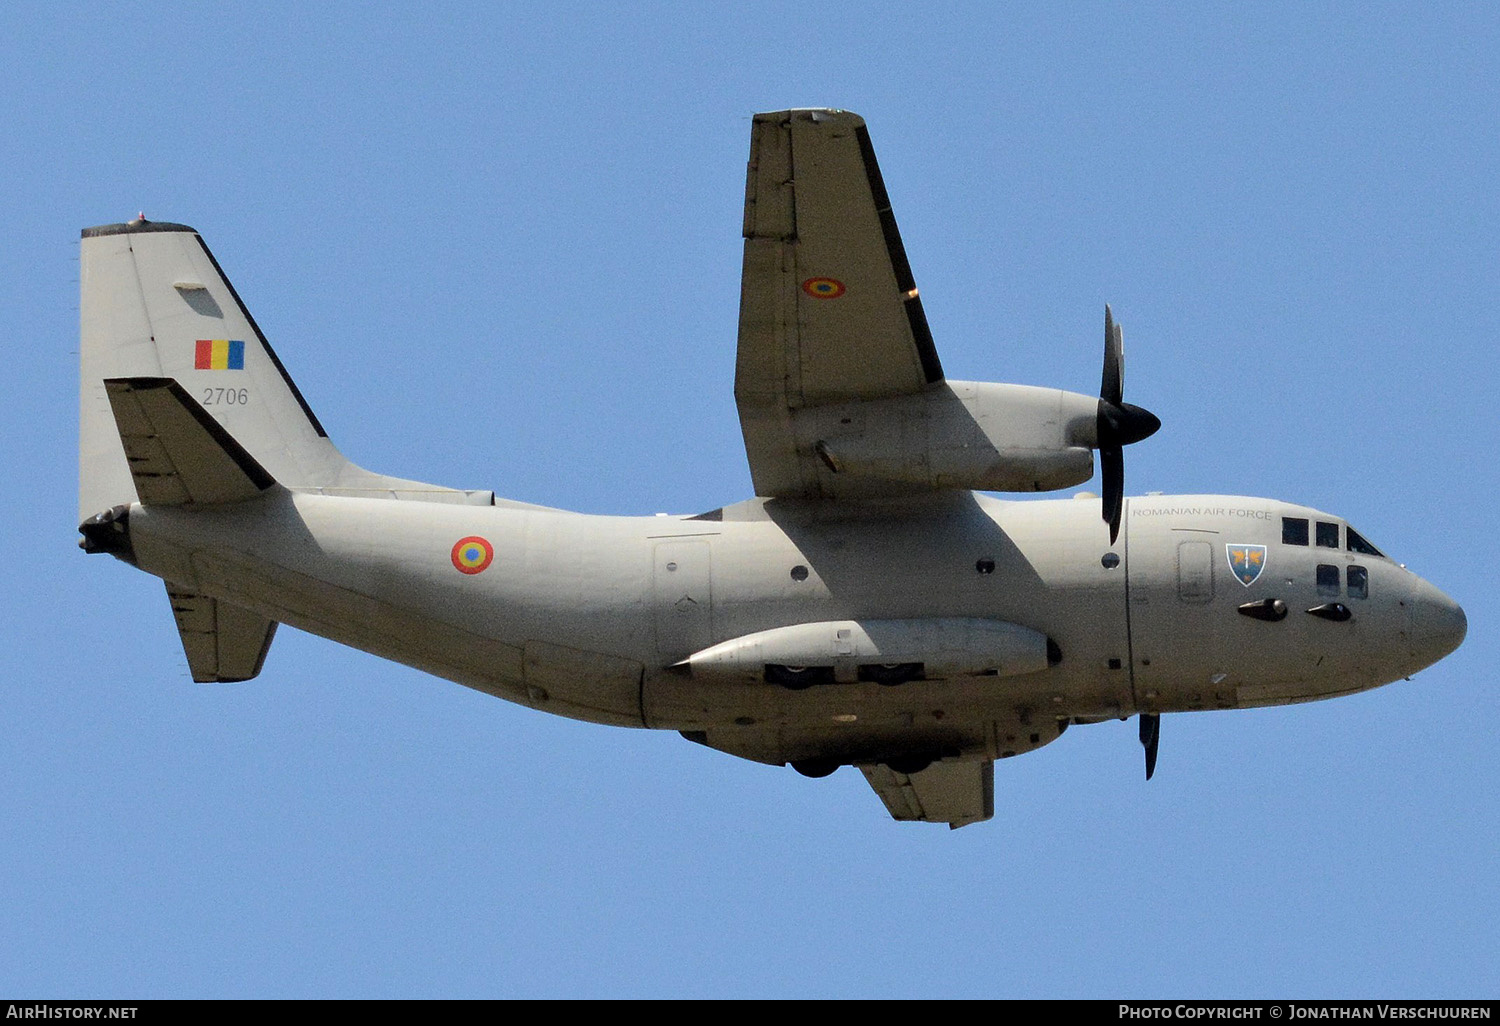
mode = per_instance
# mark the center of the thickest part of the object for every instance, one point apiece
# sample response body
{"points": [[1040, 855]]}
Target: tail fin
{"points": [[156, 305]]}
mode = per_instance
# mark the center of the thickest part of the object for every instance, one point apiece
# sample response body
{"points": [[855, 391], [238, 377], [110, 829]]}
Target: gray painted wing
{"points": [[828, 306], [957, 792]]}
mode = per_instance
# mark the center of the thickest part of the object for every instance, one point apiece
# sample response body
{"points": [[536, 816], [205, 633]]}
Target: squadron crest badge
{"points": [[1247, 562]]}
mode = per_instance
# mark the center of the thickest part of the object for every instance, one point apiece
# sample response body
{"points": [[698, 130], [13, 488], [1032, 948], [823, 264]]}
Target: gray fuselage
{"points": [[592, 617]]}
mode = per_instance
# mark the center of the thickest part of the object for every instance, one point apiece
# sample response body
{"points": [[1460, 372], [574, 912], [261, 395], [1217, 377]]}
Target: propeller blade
{"points": [[1117, 425], [1150, 735], [1112, 469], [1112, 388]]}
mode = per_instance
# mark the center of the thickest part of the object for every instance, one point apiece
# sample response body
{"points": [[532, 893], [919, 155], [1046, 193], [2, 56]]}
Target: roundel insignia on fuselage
{"points": [[472, 555]]}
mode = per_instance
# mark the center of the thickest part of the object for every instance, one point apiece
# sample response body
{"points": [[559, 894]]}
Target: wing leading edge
{"points": [[829, 310]]}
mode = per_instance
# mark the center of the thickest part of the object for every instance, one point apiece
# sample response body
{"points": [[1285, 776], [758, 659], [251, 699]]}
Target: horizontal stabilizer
{"points": [[223, 642], [956, 792], [178, 454]]}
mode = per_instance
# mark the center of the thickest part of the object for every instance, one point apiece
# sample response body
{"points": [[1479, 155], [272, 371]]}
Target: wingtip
{"points": [[818, 115], [140, 224]]}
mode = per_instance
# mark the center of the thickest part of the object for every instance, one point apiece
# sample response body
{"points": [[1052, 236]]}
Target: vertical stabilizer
{"points": [[156, 305]]}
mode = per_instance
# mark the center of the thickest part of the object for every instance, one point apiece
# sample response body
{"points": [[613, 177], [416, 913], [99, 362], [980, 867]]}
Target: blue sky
{"points": [[498, 246]]}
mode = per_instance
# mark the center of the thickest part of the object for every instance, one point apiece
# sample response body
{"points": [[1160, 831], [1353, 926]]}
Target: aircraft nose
{"points": [[1438, 625]]}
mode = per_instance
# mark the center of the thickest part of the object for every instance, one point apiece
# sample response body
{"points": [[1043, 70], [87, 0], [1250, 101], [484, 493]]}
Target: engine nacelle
{"points": [[960, 434], [858, 649]]}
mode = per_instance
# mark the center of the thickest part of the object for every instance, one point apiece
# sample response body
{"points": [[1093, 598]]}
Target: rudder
{"points": [[155, 304]]}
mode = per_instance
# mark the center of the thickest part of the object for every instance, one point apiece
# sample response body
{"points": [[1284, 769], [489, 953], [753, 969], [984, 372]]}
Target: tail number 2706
{"points": [[226, 396]]}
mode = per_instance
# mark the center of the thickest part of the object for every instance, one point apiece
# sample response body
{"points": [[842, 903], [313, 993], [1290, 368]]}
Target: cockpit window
{"points": [[1328, 535], [1294, 530], [1359, 582], [1358, 544], [1328, 580]]}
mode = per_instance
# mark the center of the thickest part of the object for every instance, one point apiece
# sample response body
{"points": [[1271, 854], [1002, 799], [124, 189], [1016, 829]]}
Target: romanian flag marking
{"points": [[219, 354], [471, 555]]}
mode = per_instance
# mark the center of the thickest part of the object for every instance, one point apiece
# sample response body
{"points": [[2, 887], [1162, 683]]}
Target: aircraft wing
{"points": [[955, 791], [828, 307]]}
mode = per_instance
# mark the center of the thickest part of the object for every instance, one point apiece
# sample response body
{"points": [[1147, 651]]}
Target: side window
{"points": [[1328, 580], [1358, 544], [1359, 582], [1294, 530], [1328, 535]]}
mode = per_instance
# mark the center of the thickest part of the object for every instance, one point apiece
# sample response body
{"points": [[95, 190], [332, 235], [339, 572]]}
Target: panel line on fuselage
{"points": [[1135, 699]]}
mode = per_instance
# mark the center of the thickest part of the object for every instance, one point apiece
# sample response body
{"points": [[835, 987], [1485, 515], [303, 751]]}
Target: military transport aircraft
{"points": [[871, 607]]}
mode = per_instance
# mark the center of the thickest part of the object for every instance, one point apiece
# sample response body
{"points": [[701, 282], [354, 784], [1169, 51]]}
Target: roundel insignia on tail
{"points": [[472, 555], [823, 288]]}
